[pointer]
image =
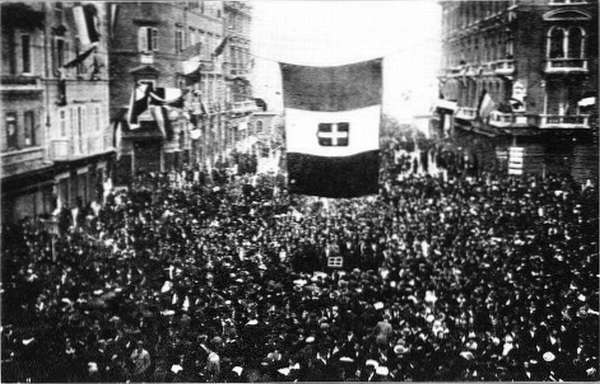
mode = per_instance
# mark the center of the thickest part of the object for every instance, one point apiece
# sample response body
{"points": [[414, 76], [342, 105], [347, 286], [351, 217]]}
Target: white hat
{"points": [[548, 356], [238, 370], [382, 371], [176, 368], [378, 305], [92, 366], [346, 359], [213, 357], [399, 349], [372, 363], [310, 339]]}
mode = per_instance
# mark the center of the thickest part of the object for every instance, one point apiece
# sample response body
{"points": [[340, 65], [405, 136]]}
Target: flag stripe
{"points": [[331, 89], [302, 131], [90, 20], [346, 176], [81, 25]]}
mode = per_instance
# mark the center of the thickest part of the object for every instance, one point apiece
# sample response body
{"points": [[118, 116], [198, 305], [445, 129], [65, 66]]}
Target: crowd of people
{"points": [[460, 277]]}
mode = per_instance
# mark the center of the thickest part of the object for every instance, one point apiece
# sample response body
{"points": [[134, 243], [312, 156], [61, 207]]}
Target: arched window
{"points": [[556, 37], [576, 40]]}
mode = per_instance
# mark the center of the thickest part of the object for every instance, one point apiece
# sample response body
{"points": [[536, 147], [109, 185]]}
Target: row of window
{"points": [[561, 43], [20, 131], [486, 48], [560, 98], [20, 54], [460, 15], [239, 55], [148, 40]]}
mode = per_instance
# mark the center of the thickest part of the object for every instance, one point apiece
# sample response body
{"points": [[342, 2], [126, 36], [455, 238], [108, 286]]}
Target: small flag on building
{"points": [[221, 47], [80, 58], [332, 128], [486, 105], [86, 23], [137, 104]]}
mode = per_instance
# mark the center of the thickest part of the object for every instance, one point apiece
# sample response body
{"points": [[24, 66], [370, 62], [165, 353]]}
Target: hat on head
{"points": [[372, 363], [548, 356], [382, 371]]}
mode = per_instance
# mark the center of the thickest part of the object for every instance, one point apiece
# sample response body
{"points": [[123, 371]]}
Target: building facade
{"points": [[537, 61], [194, 46], [57, 145]]}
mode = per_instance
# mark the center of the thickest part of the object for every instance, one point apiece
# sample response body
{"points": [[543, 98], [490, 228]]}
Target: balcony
{"points": [[505, 120], [564, 121], [21, 160], [466, 113], [566, 66], [21, 84], [60, 149], [504, 67], [455, 71], [241, 107]]}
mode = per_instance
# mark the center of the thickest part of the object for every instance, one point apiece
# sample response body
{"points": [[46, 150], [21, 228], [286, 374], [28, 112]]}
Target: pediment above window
{"points": [[566, 14], [145, 70]]}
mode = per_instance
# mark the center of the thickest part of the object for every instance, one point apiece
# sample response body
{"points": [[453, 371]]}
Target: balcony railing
{"points": [[234, 69], [60, 149], [503, 120], [566, 65], [565, 121], [466, 113], [244, 106], [504, 67], [21, 83]]}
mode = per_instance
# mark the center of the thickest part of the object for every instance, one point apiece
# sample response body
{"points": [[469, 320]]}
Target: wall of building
{"points": [[62, 158], [501, 47]]}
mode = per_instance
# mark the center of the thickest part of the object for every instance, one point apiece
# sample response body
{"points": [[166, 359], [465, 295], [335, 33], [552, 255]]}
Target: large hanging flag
{"points": [[332, 128], [87, 22], [167, 96], [137, 104]]}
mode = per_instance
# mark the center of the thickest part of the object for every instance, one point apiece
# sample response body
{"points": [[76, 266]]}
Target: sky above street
{"points": [[405, 32]]}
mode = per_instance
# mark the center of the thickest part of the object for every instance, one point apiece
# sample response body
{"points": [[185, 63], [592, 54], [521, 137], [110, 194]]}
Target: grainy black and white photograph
{"points": [[301, 191]]}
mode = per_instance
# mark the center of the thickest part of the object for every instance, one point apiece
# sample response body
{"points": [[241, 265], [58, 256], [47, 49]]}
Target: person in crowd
{"points": [[141, 361], [221, 278]]}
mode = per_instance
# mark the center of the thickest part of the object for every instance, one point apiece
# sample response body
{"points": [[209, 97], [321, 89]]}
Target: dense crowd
{"points": [[461, 277]]}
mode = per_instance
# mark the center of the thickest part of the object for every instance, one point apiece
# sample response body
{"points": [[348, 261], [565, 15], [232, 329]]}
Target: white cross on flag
{"points": [[333, 134], [332, 128]]}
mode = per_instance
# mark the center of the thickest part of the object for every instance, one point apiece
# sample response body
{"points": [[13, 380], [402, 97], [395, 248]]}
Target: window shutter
{"points": [[154, 39], [54, 60], [142, 39]]}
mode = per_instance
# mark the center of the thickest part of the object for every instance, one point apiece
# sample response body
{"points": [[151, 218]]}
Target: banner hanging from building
{"points": [[332, 118], [87, 22]]}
